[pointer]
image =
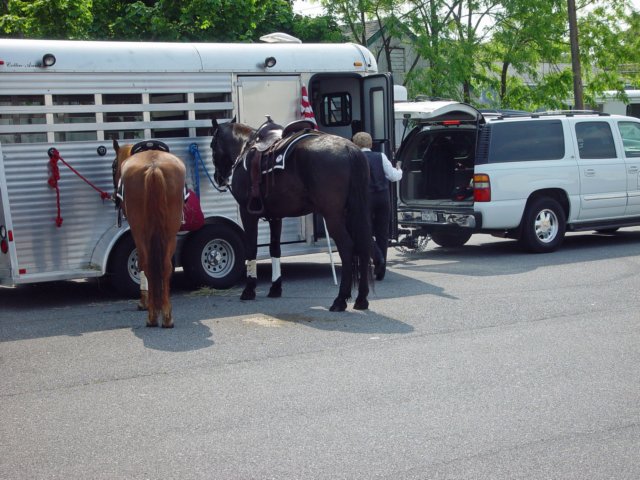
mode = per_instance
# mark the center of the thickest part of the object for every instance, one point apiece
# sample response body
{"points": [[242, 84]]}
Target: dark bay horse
{"points": [[322, 173], [151, 185]]}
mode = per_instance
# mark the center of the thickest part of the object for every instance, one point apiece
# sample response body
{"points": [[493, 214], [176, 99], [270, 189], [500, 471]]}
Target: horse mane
{"points": [[243, 132]]}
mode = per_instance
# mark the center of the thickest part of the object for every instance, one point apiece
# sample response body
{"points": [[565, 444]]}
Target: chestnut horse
{"points": [[322, 173], [151, 184]]}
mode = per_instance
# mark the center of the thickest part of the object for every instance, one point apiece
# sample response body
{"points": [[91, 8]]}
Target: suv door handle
{"points": [[633, 169], [589, 172]]}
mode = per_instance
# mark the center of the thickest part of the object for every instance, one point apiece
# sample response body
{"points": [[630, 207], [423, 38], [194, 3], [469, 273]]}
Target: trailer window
{"points": [[129, 111], [76, 113], [169, 114], [336, 109], [23, 119], [91, 117], [220, 108]]}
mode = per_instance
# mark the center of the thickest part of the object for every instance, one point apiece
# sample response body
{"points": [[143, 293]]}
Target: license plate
{"points": [[429, 216]]}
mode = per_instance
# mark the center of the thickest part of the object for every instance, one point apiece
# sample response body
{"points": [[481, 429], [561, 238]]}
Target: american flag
{"points": [[306, 111]]}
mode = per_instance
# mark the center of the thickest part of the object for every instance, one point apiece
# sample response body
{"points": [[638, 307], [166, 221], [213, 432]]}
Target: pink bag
{"points": [[193, 218]]}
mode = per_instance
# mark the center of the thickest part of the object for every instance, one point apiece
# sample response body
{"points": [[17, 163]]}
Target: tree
{"points": [[608, 40], [575, 55], [159, 20], [54, 19], [525, 49]]}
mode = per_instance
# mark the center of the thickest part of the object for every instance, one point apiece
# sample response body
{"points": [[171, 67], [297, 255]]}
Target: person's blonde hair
{"points": [[363, 140]]}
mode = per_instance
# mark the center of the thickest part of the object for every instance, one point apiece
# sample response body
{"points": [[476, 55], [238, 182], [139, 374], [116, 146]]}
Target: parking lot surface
{"points": [[474, 363]]}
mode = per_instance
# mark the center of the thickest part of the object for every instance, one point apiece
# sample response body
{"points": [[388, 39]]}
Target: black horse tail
{"points": [[358, 211]]}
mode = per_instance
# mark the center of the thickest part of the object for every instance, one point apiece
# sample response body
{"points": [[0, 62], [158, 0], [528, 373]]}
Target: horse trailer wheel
{"points": [[543, 226], [450, 239], [123, 270], [214, 257]]}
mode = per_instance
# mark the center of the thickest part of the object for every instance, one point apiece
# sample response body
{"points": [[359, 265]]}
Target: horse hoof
{"points": [[167, 325], [275, 292], [276, 289], [142, 307], [380, 270], [361, 304], [338, 306], [152, 324], [248, 295]]}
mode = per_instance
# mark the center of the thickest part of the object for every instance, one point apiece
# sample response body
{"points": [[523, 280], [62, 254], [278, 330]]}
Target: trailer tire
{"points": [[124, 274], [214, 257]]}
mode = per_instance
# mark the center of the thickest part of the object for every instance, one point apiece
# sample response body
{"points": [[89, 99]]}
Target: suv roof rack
{"points": [[570, 113], [567, 113]]}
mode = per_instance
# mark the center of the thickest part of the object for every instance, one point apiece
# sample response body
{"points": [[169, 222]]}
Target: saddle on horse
{"points": [[192, 215], [268, 150]]}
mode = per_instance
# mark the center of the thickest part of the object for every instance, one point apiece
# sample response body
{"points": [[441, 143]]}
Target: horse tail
{"points": [[358, 212], [155, 210]]}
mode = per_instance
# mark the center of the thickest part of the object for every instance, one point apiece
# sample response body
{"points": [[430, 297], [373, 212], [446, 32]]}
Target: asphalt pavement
{"points": [[475, 363]]}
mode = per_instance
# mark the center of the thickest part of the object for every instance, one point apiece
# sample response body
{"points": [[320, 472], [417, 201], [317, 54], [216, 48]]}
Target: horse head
{"points": [[122, 153], [228, 140]]}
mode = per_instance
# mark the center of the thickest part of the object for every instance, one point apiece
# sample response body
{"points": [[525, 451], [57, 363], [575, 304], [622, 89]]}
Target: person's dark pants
{"points": [[380, 218]]}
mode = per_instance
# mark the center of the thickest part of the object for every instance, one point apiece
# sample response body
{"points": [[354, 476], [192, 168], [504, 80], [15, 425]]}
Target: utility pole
{"points": [[575, 56]]}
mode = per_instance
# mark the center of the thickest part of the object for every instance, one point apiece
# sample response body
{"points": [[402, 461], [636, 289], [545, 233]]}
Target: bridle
{"points": [[219, 188]]}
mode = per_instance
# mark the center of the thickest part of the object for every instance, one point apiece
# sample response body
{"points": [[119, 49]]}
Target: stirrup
{"points": [[255, 206]]}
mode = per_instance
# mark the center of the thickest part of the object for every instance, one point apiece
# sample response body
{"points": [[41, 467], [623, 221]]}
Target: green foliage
{"points": [[161, 20], [508, 54], [54, 19]]}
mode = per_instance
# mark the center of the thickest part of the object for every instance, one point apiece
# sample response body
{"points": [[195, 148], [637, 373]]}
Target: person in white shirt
{"points": [[381, 172]]}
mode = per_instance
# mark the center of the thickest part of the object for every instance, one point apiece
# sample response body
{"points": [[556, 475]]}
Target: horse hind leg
{"points": [[167, 317], [145, 301], [344, 245], [143, 304], [362, 266]]}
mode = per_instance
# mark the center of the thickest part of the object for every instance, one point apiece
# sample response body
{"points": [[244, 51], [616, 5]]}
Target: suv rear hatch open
{"points": [[438, 156]]}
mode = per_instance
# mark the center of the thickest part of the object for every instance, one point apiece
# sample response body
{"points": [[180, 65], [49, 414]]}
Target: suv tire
{"points": [[450, 239], [543, 225]]}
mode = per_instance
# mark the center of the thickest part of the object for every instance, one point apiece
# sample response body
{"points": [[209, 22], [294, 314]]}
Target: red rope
{"points": [[54, 176]]}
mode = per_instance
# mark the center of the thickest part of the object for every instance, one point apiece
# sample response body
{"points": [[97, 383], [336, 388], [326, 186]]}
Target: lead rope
{"points": [[197, 160], [54, 177]]}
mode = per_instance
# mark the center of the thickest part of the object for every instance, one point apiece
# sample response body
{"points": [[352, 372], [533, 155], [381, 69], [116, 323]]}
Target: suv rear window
{"points": [[525, 141]]}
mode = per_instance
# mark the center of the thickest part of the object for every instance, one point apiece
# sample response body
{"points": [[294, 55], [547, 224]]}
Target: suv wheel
{"points": [[450, 239], [543, 226]]}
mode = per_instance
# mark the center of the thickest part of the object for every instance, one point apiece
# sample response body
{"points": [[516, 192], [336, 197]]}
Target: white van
{"points": [[77, 96]]}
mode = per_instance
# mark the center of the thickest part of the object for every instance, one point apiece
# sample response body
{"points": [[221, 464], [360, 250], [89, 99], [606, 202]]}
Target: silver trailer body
{"points": [[96, 91]]}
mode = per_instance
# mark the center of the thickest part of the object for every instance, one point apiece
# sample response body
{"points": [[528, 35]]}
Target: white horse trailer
{"points": [[76, 96], [610, 103]]}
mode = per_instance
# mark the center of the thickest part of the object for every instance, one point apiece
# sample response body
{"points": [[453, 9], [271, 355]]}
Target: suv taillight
{"points": [[481, 188]]}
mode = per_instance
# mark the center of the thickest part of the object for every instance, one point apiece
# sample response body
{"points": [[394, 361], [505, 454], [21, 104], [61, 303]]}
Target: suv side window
{"points": [[595, 140], [630, 133], [526, 140]]}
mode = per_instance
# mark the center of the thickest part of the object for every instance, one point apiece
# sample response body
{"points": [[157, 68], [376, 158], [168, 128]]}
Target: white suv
{"points": [[530, 177]]}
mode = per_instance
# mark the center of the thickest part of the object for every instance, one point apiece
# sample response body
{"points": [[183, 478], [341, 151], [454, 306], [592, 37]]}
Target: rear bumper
{"points": [[437, 218]]}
